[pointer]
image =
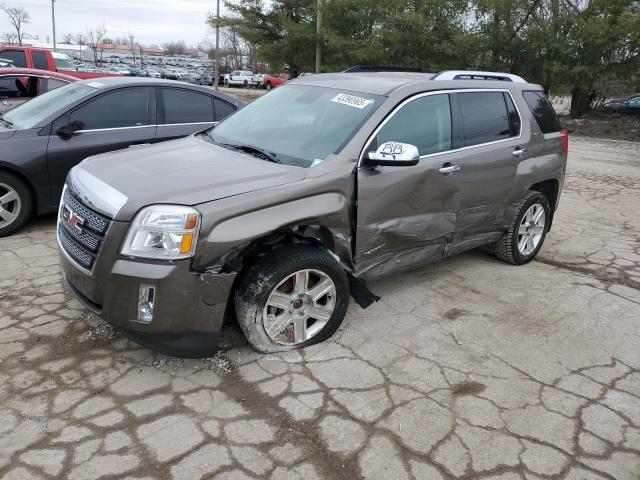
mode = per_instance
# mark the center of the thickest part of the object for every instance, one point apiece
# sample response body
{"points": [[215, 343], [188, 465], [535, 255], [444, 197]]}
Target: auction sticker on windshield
{"points": [[351, 100]]}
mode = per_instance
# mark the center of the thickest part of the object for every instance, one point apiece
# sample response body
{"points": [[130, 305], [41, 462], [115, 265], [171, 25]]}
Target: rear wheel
{"points": [[269, 86], [294, 297], [226, 83], [246, 84], [15, 203], [524, 239]]}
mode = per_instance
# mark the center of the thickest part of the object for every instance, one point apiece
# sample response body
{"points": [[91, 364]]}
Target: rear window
{"points": [[543, 111], [40, 60], [484, 117]]}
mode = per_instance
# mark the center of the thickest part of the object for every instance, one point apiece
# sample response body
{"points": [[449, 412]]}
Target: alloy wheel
{"points": [[531, 229], [10, 205], [299, 307]]}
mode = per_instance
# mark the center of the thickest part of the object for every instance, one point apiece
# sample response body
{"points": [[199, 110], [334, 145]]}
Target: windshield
{"points": [[30, 114], [300, 125]]}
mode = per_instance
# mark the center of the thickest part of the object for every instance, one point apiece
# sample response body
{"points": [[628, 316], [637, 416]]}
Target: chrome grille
{"points": [[80, 230]]}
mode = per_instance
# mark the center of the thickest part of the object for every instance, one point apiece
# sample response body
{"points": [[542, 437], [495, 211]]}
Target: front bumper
{"points": [[189, 307]]}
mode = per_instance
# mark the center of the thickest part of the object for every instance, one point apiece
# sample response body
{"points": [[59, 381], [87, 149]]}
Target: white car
{"points": [[242, 78], [154, 74]]}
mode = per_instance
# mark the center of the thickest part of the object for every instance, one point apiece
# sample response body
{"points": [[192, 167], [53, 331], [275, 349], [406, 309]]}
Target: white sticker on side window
{"points": [[95, 84], [351, 100]]}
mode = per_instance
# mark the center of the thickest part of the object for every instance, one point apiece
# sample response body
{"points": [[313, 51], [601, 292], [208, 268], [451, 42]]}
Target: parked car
{"points": [[153, 74], [42, 59], [291, 204], [241, 78], [269, 81], [630, 105], [43, 138], [17, 85]]}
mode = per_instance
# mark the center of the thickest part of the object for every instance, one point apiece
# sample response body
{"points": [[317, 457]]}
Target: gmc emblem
{"points": [[73, 220]]}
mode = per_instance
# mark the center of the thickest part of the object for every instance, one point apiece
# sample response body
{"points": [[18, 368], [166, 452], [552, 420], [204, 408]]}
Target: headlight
{"points": [[165, 232]]}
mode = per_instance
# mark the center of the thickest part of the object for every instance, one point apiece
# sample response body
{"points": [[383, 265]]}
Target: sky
{"points": [[151, 21]]}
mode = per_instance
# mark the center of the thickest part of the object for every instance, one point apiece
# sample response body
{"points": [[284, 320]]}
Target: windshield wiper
{"points": [[256, 151], [6, 123]]}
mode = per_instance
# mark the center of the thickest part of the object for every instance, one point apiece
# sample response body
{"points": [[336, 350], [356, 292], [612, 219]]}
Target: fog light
{"points": [[146, 302]]}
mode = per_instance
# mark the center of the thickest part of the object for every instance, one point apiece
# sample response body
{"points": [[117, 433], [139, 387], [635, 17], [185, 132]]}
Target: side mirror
{"points": [[394, 154], [70, 130]]}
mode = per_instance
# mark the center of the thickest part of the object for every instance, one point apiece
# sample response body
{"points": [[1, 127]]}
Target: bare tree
{"points": [[95, 41], [67, 38], [233, 48], [18, 17], [174, 48], [132, 44], [9, 38]]}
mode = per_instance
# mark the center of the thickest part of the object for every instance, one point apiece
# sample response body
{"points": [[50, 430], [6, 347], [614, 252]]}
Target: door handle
{"points": [[448, 169], [519, 152]]}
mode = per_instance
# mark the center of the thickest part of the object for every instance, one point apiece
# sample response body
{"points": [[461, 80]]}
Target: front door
{"points": [[114, 120], [407, 215]]}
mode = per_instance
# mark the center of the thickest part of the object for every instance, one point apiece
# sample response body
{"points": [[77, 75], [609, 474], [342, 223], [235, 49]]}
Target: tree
{"points": [[282, 32], [174, 48], [133, 47], [95, 41], [18, 17]]}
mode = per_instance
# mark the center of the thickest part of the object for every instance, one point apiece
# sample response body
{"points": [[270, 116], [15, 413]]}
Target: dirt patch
{"points": [[468, 388], [603, 124]]}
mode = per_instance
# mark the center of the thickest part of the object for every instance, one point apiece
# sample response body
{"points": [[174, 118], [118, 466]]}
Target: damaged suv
{"points": [[288, 206]]}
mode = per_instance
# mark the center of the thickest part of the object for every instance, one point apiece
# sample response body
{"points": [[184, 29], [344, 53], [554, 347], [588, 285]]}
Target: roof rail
{"points": [[381, 68], [478, 75]]}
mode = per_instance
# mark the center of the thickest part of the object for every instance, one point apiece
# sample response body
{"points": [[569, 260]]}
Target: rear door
{"points": [[182, 112], [116, 119], [490, 131]]}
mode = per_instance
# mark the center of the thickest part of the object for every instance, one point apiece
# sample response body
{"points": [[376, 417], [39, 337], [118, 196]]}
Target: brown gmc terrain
{"points": [[285, 208]]}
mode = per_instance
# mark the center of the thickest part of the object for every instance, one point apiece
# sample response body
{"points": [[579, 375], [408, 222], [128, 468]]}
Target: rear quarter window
{"points": [[542, 111]]}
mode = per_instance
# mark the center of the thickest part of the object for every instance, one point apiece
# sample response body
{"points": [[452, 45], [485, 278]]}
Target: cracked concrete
{"points": [[468, 369]]}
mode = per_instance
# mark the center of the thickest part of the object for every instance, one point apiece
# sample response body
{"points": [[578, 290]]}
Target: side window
{"points": [[18, 59], [39, 60], [183, 106], [127, 107], [53, 83], [514, 118], [484, 117], [424, 122], [9, 87], [543, 111], [223, 109]]}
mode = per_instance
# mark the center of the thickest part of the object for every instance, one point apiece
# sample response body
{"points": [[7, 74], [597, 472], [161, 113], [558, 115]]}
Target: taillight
{"points": [[565, 142]]}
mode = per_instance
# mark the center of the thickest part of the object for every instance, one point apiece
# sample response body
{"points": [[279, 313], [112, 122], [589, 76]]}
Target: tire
{"points": [[277, 274], [246, 84], [269, 86], [226, 83], [510, 247], [15, 212]]}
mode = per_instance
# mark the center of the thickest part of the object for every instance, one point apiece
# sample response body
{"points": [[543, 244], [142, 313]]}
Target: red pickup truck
{"points": [[269, 81], [42, 59]]}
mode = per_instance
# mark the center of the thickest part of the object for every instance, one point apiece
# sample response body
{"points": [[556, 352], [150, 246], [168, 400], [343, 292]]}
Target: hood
{"points": [[188, 171]]}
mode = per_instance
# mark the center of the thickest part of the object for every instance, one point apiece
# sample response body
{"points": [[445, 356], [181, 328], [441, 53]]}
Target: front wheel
{"points": [[294, 297], [246, 84], [269, 86], [15, 203], [226, 83], [524, 239]]}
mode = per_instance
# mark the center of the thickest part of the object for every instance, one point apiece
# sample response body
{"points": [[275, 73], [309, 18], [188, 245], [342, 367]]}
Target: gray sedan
{"points": [[40, 141]]}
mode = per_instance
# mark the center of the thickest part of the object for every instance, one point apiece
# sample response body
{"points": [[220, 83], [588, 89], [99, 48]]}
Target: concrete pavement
{"points": [[469, 368]]}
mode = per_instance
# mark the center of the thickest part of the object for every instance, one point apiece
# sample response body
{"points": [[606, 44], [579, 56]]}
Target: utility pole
{"points": [[217, 73], [318, 39], [53, 22]]}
